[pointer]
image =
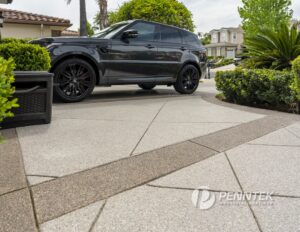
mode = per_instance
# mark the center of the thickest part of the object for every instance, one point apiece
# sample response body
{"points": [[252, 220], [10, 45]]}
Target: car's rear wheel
{"points": [[147, 86], [188, 80], [74, 79]]}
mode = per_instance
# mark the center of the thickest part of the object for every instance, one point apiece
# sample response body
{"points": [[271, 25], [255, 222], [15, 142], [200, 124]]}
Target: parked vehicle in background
{"points": [[130, 52]]}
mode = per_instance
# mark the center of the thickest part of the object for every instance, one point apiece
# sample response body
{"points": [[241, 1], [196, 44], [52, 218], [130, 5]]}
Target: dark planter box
{"points": [[298, 108], [34, 92]]}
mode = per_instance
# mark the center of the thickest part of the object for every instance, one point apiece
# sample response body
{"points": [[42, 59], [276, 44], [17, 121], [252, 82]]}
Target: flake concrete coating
{"points": [[12, 175]]}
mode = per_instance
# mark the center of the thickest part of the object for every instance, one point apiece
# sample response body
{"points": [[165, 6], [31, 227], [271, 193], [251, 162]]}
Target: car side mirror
{"points": [[130, 34]]}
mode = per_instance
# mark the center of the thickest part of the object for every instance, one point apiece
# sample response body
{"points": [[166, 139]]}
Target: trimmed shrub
{"points": [[13, 40], [257, 87], [27, 57], [296, 84], [6, 89]]}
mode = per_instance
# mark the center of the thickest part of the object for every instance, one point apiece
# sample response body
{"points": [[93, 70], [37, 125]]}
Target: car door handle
{"points": [[183, 48], [150, 46]]}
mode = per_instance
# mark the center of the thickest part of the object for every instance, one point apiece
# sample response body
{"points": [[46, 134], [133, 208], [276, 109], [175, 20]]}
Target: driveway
{"points": [[130, 160]]}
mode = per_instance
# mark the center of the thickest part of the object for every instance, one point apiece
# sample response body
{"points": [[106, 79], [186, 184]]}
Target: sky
{"points": [[207, 14]]}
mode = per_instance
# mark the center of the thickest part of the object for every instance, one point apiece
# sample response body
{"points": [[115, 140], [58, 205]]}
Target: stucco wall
{"points": [[19, 31]]}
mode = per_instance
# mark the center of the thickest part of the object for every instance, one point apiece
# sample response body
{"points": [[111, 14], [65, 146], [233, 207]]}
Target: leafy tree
{"points": [[274, 49], [258, 14], [206, 38], [170, 12], [83, 18]]}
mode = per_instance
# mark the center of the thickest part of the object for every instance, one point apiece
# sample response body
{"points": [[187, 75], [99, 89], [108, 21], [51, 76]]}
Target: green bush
{"points": [[296, 84], [6, 89], [27, 57], [257, 87], [13, 40]]}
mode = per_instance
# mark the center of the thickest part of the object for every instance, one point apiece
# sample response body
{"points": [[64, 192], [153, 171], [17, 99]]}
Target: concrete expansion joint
{"points": [[97, 216]]}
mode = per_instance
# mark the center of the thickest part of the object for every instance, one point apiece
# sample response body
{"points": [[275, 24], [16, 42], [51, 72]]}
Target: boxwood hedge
{"points": [[257, 86], [27, 57]]}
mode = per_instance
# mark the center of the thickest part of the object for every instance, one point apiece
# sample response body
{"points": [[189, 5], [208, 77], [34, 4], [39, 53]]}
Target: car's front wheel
{"points": [[188, 80], [147, 86], [74, 80]]}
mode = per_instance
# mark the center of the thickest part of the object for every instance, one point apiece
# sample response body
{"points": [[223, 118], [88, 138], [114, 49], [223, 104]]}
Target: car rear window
{"points": [[170, 35], [190, 38]]}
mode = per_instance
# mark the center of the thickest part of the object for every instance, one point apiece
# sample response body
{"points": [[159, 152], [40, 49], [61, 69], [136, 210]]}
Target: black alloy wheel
{"points": [[74, 79], [187, 80]]}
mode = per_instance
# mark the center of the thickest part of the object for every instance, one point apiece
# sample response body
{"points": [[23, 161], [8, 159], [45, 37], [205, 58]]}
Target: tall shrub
{"points": [[6, 89], [296, 84]]}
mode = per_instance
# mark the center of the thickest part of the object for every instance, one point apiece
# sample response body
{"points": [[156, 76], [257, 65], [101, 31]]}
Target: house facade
{"points": [[20, 25], [226, 42]]}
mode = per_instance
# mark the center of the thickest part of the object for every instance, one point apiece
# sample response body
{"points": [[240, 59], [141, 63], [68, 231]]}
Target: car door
{"points": [[133, 60], [171, 51]]}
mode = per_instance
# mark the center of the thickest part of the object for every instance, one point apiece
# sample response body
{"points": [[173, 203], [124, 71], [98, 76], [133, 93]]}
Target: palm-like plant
{"points": [[83, 18], [274, 49]]}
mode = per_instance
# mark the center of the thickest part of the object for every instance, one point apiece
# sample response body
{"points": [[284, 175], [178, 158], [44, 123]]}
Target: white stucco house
{"points": [[226, 42], [19, 24]]}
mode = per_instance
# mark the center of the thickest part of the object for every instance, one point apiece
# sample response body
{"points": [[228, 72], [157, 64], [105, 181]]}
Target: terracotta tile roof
{"points": [[69, 33], [14, 16]]}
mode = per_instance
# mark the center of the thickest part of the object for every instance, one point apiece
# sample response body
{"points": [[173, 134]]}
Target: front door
{"points": [[132, 60]]}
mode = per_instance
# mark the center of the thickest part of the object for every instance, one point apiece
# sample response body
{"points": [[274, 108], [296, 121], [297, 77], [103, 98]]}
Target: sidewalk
{"points": [[132, 162]]}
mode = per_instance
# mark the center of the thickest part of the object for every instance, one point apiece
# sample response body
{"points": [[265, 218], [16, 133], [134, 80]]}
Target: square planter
{"points": [[34, 91]]}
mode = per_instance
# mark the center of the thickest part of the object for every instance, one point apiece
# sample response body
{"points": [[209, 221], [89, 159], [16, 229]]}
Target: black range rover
{"points": [[131, 52]]}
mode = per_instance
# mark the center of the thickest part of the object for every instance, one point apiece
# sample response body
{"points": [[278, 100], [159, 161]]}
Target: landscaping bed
{"points": [[262, 88]]}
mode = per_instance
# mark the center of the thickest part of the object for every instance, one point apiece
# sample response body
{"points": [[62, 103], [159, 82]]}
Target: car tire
{"points": [[188, 80], [74, 80], [147, 86]]}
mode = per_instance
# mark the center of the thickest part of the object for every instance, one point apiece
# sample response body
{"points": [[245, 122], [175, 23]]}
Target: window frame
{"points": [[178, 30]]}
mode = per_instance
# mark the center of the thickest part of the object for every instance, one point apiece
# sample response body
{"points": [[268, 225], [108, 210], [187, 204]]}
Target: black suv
{"points": [[131, 52]]}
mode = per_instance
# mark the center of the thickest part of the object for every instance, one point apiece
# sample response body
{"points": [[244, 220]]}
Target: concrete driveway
{"points": [[130, 160]]}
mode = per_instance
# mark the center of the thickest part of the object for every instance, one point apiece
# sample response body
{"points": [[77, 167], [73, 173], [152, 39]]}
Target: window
{"points": [[55, 33], [190, 38], [223, 37], [147, 32], [170, 35], [234, 36]]}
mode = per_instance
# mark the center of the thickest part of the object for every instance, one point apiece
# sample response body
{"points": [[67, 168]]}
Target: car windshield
{"points": [[109, 32]]}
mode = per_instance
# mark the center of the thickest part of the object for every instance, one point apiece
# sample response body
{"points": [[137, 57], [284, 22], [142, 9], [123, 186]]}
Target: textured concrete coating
{"points": [[228, 138], [214, 172], [76, 221], [12, 175], [57, 197], [170, 210], [16, 212]]}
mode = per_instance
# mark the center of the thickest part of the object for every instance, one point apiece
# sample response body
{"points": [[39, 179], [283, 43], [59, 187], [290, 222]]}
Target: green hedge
{"points": [[13, 40], [6, 89], [296, 84], [257, 87], [27, 57]]}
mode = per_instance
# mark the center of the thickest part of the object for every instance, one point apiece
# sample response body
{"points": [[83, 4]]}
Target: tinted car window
{"points": [[147, 32], [170, 35], [190, 38]]}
